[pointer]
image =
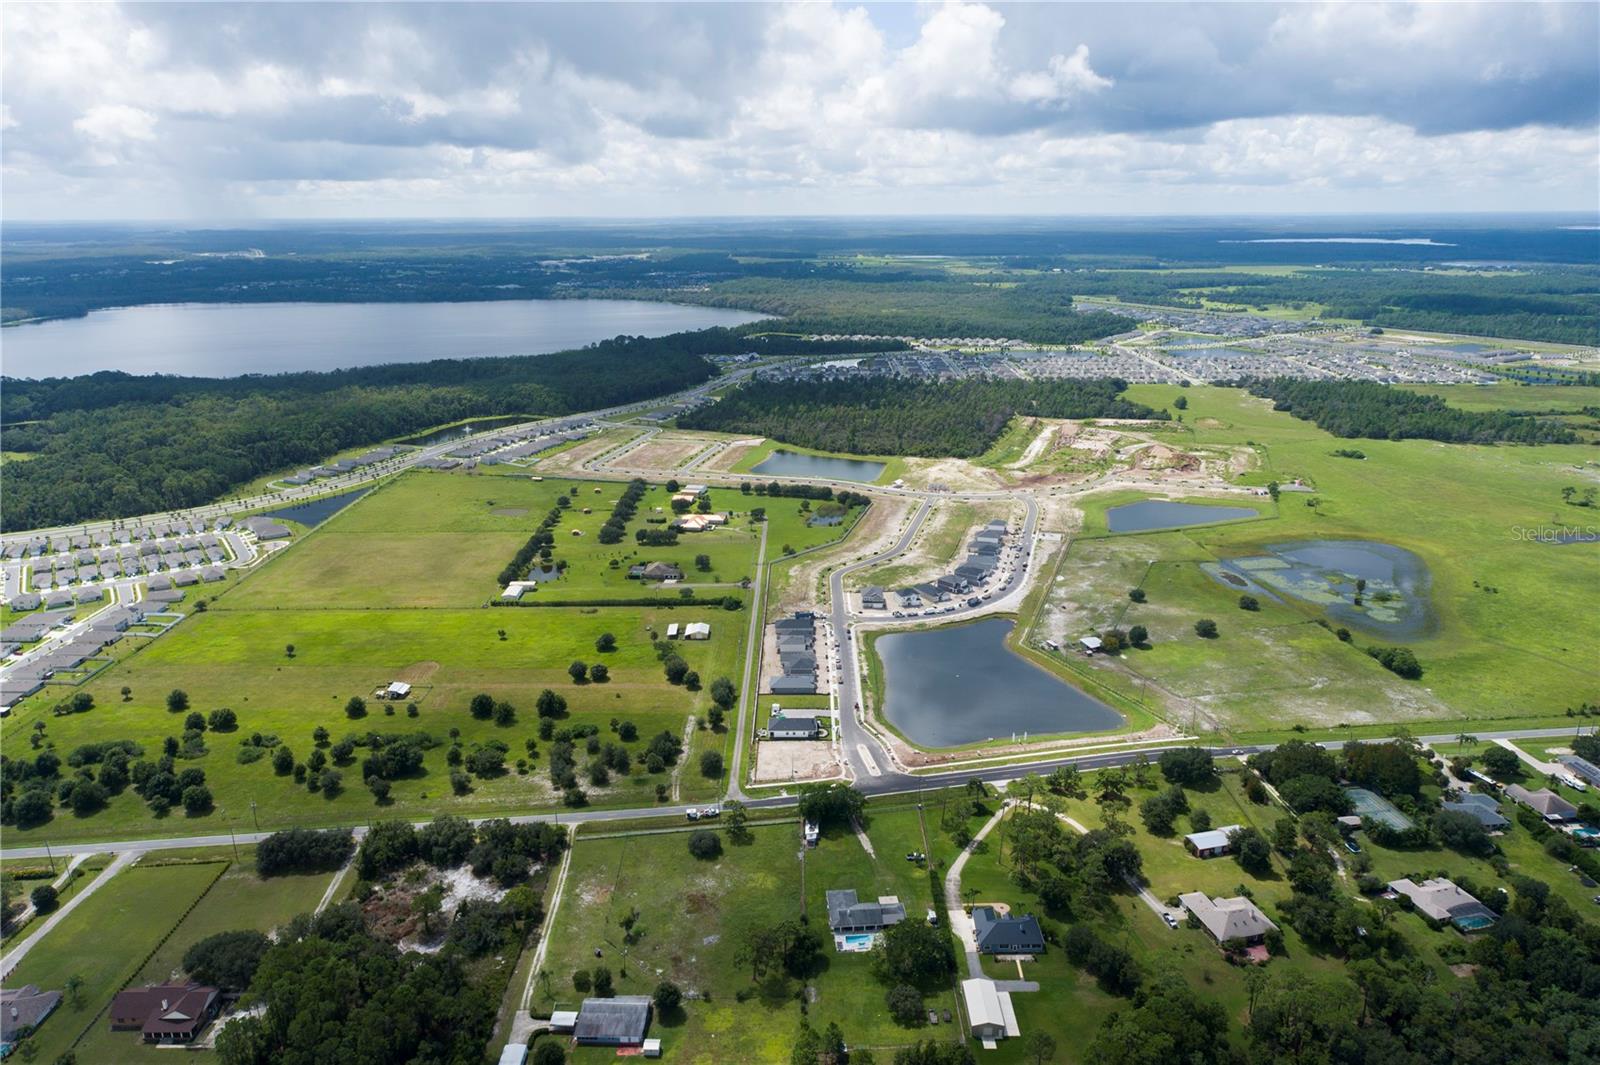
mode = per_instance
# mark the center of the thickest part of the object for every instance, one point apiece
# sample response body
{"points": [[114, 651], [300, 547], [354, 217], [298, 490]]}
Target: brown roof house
{"points": [[165, 1013]]}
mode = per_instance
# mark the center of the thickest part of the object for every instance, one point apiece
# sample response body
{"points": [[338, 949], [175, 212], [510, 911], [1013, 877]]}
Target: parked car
{"points": [[1352, 846], [1172, 922]]}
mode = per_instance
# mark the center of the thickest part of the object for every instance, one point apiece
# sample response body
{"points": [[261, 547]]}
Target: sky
{"points": [[293, 110]]}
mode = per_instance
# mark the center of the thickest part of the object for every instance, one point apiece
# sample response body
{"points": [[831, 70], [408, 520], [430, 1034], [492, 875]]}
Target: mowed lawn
{"points": [[691, 913], [105, 941], [1513, 636], [430, 539], [238, 900]]}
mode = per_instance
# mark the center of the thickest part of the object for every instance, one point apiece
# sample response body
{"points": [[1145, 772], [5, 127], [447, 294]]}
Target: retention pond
{"points": [[1374, 586], [953, 686], [1163, 514], [794, 464]]}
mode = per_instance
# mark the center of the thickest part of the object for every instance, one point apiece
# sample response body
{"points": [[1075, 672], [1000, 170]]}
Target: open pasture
{"points": [[1509, 636]]}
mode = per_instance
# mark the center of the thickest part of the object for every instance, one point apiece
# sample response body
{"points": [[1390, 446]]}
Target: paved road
{"points": [[890, 783], [123, 859], [749, 687]]}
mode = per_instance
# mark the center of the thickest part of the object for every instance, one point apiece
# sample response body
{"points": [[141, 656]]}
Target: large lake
{"points": [[795, 464], [227, 339], [947, 687]]}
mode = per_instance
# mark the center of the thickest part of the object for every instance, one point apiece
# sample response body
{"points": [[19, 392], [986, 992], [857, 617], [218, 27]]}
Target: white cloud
{"points": [[800, 107]]}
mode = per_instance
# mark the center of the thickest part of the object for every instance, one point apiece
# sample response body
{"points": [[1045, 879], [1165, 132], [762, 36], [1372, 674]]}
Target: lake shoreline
{"points": [[227, 340]]}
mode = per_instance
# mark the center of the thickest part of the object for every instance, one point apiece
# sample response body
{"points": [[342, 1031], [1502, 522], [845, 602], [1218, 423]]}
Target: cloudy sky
{"points": [[195, 111]]}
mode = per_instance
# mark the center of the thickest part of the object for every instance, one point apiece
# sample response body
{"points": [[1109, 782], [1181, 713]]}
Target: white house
{"points": [[697, 630], [397, 690]]}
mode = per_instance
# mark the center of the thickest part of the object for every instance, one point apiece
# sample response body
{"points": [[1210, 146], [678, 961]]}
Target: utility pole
{"points": [[253, 820]]}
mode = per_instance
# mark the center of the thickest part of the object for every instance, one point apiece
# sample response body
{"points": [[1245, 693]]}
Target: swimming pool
{"points": [[855, 943]]}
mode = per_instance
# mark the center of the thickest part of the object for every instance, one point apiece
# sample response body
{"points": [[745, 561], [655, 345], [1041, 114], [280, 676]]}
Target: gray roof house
{"points": [[909, 597], [25, 601], [22, 1009], [795, 665], [872, 598], [1482, 807], [1228, 920], [1006, 935], [1441, 900], [795, 644], [793, 725], [801, 685], [615, 1022], [846, 913], [1546, 803], [806, 625]]}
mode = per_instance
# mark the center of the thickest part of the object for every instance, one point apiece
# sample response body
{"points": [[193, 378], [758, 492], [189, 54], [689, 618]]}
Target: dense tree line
{"points": [[333, 991], [99, 453], [303, 850], [874, 416], [1368, 409]]}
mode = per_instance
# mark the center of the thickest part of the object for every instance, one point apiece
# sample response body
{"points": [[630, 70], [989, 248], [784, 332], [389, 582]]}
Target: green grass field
{"points": [[238, 900], [432, 540], [354, 629], [1511, 639], [691, 912], [106, 941]]}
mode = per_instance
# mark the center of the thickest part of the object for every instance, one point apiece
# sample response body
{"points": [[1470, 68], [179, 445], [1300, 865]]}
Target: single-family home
{"points": [[613, 1022], [997, 934], [793, 685], [1441, 900], [1090, 644], [23, 1009], [398, 689], [847, 914], [165, 1013], [1546, 803], [794, 725], [909, 598], [1482, 807], [1211, 844], [952, 585], [25, 601], [872, 599], [1235, 920], [697, 630]]}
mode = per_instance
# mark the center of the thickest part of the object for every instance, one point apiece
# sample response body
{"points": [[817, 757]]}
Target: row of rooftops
{"points": [[64, 543], [343, 466], [797, 657], [528, 442]]}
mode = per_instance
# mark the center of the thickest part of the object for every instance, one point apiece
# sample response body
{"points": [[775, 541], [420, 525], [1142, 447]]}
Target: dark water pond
{"points": [[227, 339], [1394, 600], [456, 432], [946, 687], [794, 464], [1161, 514], [316, 511]]}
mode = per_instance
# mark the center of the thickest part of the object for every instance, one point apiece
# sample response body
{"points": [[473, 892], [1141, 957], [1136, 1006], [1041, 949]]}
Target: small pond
{"points": [[1163, 514], [317, 511], [456, 432], [794, 464], [1393, 601], [947, 687]]}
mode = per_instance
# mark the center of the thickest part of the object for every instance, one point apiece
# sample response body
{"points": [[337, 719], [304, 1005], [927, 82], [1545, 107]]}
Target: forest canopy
{"points": [[877, 416], [112, 444], [1375, 411]]}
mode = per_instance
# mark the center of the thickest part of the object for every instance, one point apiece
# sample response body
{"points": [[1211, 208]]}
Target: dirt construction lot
{"points": [[799, 760]]}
